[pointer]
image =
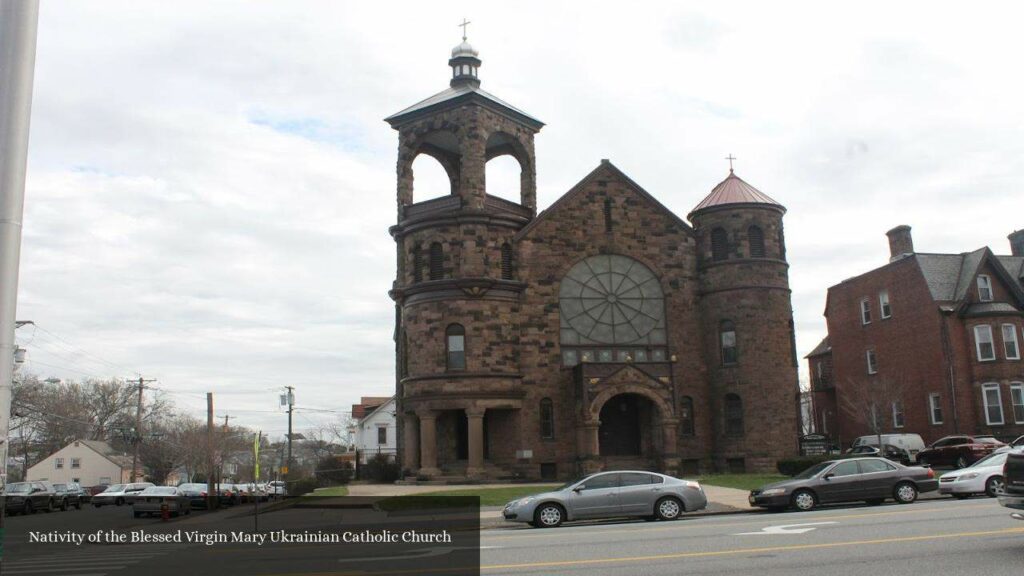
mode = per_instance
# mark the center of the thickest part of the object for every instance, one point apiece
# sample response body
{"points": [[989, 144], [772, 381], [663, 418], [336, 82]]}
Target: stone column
{"points": [[475, 467], [670, 442], [411, 444], [589, 446], [428, 443]]}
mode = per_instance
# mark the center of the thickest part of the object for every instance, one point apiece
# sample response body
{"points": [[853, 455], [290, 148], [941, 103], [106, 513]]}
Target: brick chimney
{"points": [[1017, 242], [900, 242]]}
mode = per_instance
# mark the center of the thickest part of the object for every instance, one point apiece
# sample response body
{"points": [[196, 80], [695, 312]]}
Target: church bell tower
{"points": [[456, 293]]}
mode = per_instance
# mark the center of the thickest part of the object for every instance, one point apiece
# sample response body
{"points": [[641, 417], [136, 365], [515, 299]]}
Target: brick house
{"points": [[605, 332], [946, 327]]}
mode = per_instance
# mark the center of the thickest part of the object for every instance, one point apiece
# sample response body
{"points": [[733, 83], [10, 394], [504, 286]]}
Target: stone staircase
{"points": [[455, 473]]}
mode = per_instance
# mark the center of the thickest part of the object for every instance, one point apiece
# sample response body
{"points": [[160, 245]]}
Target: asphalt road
{"points": [[947, 537]]}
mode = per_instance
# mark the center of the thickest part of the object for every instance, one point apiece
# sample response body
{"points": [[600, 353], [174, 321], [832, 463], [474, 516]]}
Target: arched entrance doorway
{"points": [[629, 423]]}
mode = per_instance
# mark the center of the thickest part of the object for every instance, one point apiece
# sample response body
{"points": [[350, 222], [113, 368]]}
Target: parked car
{"points": [[907, 446], [253, 492], [847, 480], [66, 496], [277, 489], [1013, 484], [119, 494], [84, 495], [890, 453], [27, 497], [609, 495], [153, 499], [196, 494], [983, 477], [958, 451]]}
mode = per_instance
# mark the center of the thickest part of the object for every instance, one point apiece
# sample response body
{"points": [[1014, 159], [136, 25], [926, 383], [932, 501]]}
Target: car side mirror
{"points": [[829, 476], [578, 489]]}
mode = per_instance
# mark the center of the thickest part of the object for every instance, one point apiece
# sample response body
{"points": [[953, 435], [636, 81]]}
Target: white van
{"points": [[910, 444]]}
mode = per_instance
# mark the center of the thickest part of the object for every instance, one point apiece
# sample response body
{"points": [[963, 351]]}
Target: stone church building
{"points": [[605, 332]]}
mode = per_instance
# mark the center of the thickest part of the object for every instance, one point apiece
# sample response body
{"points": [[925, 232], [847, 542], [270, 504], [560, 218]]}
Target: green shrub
{"points": [[304, 486], [794, 466], [380, 468]]}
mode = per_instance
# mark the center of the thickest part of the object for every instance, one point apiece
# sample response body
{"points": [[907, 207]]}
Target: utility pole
{"points": [[291, 404], [212, 494], [137, 440], [226, 418], [19, 23]]}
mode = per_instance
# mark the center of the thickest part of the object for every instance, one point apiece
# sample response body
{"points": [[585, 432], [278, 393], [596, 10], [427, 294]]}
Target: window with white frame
{"points": [[935, 408], [983, 342], [1010, 347], [984, 288], [872, 362], [58, 462], [865, 311], [883, 304], [993, 404], [897, 414], [382, 434], [1017, 399], [76, 462], [104, 480]]}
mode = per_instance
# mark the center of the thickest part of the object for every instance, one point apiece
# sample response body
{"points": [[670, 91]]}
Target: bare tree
{"points": [[874, 401]]}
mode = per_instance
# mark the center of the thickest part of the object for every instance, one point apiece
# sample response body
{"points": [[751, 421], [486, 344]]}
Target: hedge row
{"points": [[794, 466]]}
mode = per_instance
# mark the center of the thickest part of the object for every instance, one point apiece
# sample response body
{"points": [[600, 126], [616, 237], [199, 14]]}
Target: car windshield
{"points": [[115, 488], [812, 471], [19, 488], [990, 460], [159, 491]]}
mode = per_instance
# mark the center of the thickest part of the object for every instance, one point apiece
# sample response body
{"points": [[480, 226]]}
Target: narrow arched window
{"points": [[547, 419], [756, 239], [727, 340], [607, 214], [686, 425], [782, 246], [403, 355], [455, 347], [436, 261], [506, 261], [417, 264], [733, 415], [719, 244]]}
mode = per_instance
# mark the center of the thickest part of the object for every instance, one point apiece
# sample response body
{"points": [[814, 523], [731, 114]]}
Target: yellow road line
{"points": [[686, 524], [674, 556], [736, 551]]}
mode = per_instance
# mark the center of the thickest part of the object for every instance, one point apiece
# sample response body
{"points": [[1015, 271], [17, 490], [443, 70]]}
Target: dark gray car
{"points": [[609, 495], [869, 479]]}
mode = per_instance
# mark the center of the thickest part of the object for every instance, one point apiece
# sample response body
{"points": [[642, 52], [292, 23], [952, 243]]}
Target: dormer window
{"points": [[984, 288]]}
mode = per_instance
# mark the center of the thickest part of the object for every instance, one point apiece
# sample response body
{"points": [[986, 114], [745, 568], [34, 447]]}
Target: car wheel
{"points": [[994, 486], [804, 500], [961, 462], [49, 506], [875, 501], [668, 508], [549, 516], [905, 493]]}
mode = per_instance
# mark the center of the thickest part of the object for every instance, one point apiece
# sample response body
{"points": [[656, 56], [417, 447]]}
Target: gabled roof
{"points": [[950, 277], [823, 347], [734, 190], [389, 402], [457, 95], [605, 167]]}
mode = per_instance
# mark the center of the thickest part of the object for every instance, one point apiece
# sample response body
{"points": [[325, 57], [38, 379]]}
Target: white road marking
{"points": [[786, 529]]}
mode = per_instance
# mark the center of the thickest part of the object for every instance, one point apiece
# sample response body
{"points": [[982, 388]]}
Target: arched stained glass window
{"points": [[547, 419], [686, 426], [727, 338], [455, 347], [611, 299], [733, 415]]}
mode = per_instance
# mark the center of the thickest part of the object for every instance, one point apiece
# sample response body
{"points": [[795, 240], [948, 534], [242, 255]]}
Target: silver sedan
{"points": [[154, 499], [608, 495]]}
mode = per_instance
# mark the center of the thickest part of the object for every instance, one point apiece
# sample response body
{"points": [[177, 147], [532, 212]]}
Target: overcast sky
{"points": [[210, 183]]}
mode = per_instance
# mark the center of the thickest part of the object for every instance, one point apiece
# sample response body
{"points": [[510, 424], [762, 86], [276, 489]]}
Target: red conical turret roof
{"points": [[733, 190]]}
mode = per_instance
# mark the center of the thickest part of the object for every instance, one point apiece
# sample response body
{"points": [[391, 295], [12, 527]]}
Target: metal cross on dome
{"points": [[730, 158], [464, 24]]}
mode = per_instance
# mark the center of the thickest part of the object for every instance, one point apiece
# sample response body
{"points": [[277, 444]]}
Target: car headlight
{"points": [[774, 492], [522, 501], [970, 476]]}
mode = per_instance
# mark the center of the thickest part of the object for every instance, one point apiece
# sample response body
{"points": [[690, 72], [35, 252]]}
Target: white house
{"points": [[88, 462], [376, 432]]}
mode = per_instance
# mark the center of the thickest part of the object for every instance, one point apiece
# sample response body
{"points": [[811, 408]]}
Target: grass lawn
{"points": [[332, 491], [494, 496], [741, 481]]}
